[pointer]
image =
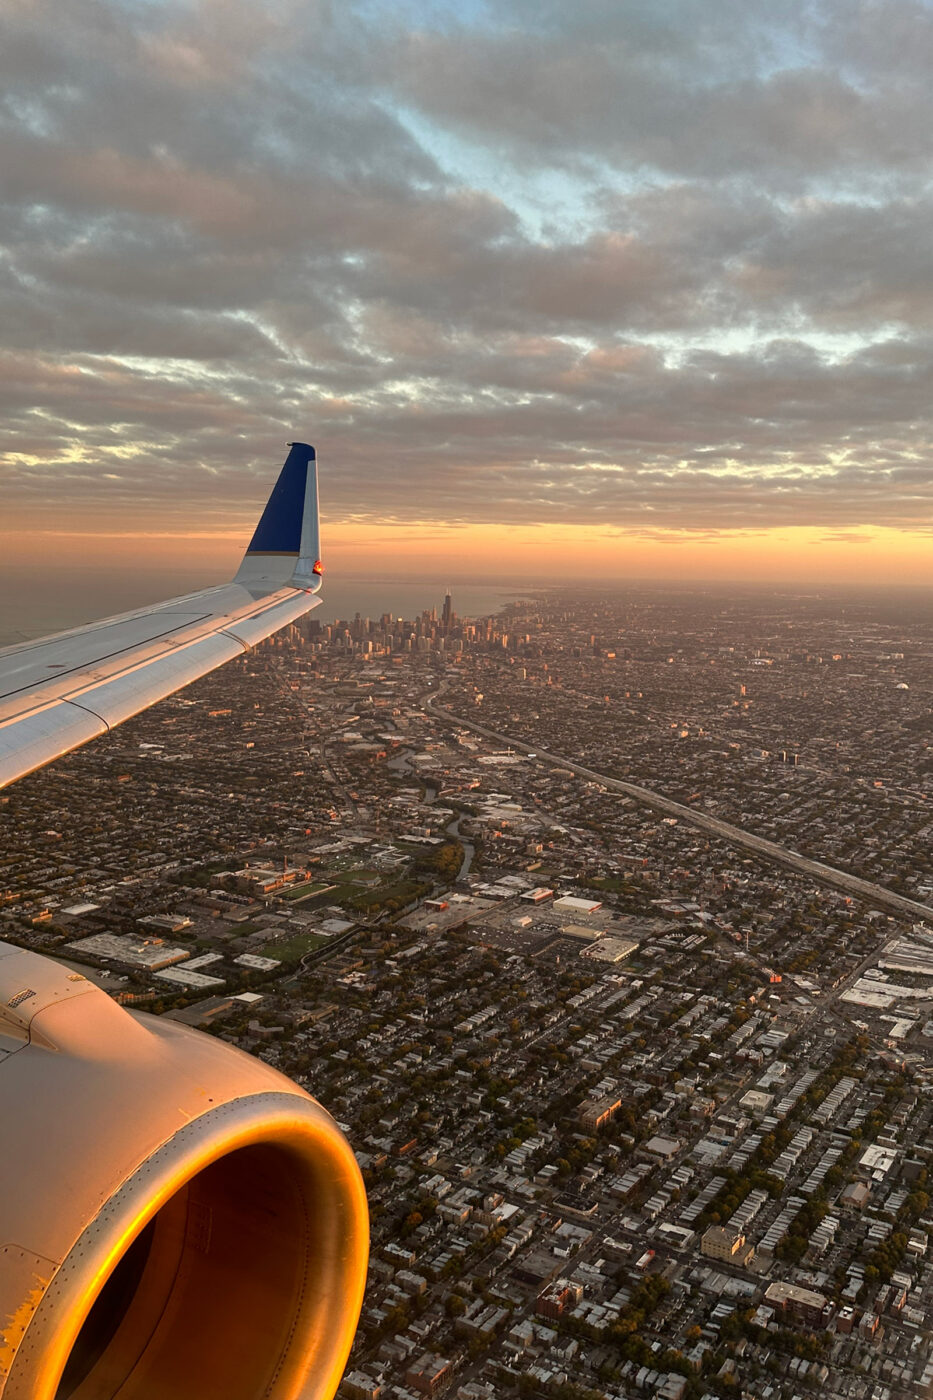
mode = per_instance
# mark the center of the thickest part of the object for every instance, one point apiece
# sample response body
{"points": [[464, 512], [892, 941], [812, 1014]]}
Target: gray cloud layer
{"points": [[660, 265]]}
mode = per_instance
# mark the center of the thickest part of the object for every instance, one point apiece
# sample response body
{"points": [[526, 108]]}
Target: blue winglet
{"points": [[286, 545], [279, 529]]}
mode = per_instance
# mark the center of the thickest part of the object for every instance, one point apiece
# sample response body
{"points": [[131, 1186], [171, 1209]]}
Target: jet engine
{"points": [[178, 1221]]}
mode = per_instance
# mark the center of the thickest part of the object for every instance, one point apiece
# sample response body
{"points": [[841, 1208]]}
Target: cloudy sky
{"points": [[647, 284]]}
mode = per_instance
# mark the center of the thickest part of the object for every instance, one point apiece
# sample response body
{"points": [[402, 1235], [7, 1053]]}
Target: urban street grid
{"points": [[603, 926]]}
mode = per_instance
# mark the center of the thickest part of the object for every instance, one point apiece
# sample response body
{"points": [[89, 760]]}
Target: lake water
{"points": [[33, 604]]}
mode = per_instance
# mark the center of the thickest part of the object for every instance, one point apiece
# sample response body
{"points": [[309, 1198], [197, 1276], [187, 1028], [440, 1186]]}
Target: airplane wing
{"points": [[60, 691]]}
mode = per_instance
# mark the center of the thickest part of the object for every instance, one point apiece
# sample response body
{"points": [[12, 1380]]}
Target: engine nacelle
{"points": [[178, 1221]]}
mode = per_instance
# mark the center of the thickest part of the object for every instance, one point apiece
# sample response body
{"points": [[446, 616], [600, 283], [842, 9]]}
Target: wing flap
{"points": [[252, 628], [117, 699], [28, 681], [32, 740]]}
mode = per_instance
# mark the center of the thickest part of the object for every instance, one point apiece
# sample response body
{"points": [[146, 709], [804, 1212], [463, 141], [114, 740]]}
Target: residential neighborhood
{"points": [[641, 1111]]}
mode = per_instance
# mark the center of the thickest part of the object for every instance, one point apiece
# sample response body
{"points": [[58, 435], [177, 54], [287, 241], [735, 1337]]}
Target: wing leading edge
{"points": [[58, 692]]}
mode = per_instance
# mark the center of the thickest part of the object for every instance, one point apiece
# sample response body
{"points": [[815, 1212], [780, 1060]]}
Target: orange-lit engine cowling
{"points": [[178, 1221]]}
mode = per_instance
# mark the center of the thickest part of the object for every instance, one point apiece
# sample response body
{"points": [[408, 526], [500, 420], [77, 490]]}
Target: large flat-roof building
{"points": [[428, 1374], [802, 1305], [610, 949], [147, 953], [726, 1244], [595, 1113]]}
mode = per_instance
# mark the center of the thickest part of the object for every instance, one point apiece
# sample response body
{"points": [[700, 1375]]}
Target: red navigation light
{"points": [[318, 567]]}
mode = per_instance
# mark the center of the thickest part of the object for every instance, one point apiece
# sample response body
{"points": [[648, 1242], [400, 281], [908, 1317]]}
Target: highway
{"points": [[875, 895]]}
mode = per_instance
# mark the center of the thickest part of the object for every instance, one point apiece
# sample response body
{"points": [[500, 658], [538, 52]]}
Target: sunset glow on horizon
{"points": [[523, 556], [612, 290]]}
